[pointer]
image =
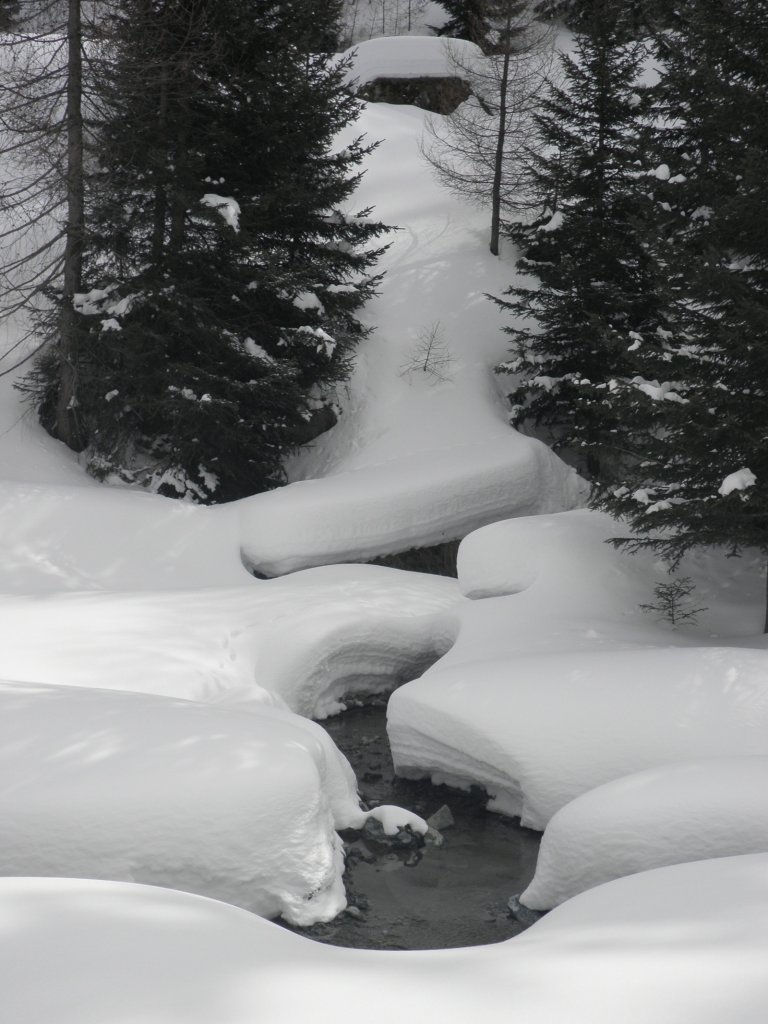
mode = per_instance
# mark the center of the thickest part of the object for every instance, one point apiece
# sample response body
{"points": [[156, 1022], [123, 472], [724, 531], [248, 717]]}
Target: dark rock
{"points": [[433, 838], [440, 95], [441, 819], [522, 913], [404, 838]]}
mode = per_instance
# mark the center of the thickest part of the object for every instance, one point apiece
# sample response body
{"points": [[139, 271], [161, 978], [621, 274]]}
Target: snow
{"points": [[125, 786], [537, 731], [55, 537], [362, 629], [225, 206], [150, 731], [409, 57], [741, 480], [563, 683], [666, 815], [680, 944], [409, 464], [413, 463], [427, 497]]}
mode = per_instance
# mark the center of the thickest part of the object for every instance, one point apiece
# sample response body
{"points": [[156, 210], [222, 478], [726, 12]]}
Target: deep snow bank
{"points": [[665, 815], [537, 731], [681, 944], [304, 641], [125, 786], [564, 683], [240, 807], [414, 501]]}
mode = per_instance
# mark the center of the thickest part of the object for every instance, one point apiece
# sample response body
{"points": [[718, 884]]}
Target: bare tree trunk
{"points": [[498, 163], [66, 406], [160, 206]]}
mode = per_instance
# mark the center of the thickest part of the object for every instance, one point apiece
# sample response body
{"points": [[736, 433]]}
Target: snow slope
{"points": [[413, 462], [680, 945], [665, 815]]}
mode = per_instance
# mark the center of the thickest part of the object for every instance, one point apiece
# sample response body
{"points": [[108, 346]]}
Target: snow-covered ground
{"points": [[548, 681], [680, 945]]}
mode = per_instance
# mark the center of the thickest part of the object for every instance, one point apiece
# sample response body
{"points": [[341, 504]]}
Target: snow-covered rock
{"points": [[675, 946], [241, 807], [538, 730], [666, 815], [409, 57]]}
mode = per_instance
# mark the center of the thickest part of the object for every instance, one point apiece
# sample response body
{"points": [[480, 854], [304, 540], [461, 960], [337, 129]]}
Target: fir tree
{"points": [[223, 280], [595, 284], [492, 25], [695, 414]]}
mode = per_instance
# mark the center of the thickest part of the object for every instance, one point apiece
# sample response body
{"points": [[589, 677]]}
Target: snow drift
{"points": [[666, 815], [685, 943]]}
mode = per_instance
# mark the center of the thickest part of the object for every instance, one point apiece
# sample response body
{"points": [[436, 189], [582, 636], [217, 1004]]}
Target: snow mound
{"points": [[415, 501], [304, 641], [661, 816], [409, 57], [681, 944], [566, 556], [537, 731], [124, 786]]}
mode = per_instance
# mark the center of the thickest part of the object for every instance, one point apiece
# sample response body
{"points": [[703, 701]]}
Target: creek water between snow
{"points": [[433, 896]]}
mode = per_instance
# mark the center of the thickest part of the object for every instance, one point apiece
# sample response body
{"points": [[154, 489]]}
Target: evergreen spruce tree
{"points": [[594, 283], [222, 279], [640, 16], [695, 415], [492, 25]]}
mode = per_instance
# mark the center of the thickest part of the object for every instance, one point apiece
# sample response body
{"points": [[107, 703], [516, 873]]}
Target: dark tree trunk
{"points": [[498, 163], [66, 406]]}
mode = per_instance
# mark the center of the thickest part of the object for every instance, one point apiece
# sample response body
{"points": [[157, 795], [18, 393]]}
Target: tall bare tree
{"points": [[42, 133], [480, 151]]}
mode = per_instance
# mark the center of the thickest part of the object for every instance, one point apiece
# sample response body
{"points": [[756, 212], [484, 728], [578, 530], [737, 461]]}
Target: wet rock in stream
{"points": [[449, 888]]}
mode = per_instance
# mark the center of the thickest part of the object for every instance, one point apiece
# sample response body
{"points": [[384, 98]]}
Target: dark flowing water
{"points": [[432, 897]]}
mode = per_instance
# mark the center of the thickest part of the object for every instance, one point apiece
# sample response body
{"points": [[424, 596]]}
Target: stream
{"points": [[432, 897]]}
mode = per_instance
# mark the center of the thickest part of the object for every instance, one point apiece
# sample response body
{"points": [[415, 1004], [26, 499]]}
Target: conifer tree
{"points": [[694, 415], [593, 282], [493, 25], [222, 278], [469, 19]]}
